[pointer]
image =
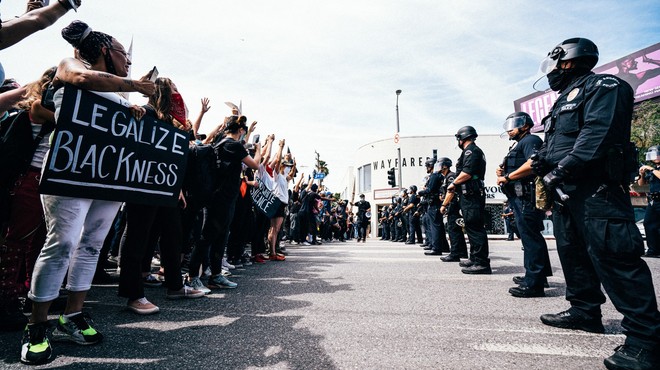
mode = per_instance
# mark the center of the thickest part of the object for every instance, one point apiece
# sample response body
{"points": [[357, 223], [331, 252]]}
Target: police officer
{"points": [[364, 207], [451, 208], [586, 155], [651, 175], [469, 183], [412, 210], [437, 239], [383, 220], [404, 217], [528, 219]]}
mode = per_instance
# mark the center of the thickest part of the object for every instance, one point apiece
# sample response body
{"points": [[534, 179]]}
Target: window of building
{"points": [[364, 178]]}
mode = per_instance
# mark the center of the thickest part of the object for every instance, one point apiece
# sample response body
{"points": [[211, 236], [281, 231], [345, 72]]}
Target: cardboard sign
{"points": [[99, 151], [264, 199]]}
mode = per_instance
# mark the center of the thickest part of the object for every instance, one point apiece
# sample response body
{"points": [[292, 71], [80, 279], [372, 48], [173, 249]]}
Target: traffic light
{"points": [[391, 177]]}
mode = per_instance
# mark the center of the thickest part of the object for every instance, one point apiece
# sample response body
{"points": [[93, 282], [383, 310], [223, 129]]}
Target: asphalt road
{"points": [[374, 305]]}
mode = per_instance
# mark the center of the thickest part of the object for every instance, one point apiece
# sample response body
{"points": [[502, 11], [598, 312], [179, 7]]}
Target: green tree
{"points": [[645, 130]]}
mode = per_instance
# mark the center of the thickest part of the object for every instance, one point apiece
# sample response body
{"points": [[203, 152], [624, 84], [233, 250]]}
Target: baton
{"points": [[563, 196]]}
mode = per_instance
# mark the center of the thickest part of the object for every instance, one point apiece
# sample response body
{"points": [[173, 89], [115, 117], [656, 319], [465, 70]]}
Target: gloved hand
{"points": [[540, 166], [553, 179]]}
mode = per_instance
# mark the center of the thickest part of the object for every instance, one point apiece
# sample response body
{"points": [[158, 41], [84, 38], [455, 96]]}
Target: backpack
{"points": [[17, 146], [200, 180]]}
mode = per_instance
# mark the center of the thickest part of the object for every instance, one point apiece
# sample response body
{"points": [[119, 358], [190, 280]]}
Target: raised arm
{"points": [[73, 71], [202, 112], [16, 29], [277, 160]]}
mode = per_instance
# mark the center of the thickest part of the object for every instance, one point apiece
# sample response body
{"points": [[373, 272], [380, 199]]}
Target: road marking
{"points": [[544, 349]]}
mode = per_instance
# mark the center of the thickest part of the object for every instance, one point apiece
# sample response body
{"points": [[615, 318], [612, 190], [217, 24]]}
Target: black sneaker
{"points": [[77, 329], [573, 319], [629, 357], [466, 263], [521, 280], [477, 270], [450, 258], [35, 347], [523, 291]]}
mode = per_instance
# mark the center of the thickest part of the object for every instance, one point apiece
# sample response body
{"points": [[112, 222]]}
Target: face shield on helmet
{"points": [[516, 121], [653, 153], [577, 48]]}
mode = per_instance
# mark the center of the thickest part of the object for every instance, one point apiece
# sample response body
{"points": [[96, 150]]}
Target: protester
{"points": [[76, 227], [146, 225], [26, 229], [231, 154]]}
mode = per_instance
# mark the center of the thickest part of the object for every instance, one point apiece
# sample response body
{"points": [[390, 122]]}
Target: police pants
{"points": [[529, 221], [415, 229], [438, 239], [473, 209], [455, 231], [652, 227], [598, 242]]}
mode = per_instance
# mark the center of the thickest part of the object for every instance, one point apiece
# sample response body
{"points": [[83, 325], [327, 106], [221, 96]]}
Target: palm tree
{"points": [[321, 167]]}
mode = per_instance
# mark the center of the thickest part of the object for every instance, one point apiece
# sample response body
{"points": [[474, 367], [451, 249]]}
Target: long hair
{"points": [[161, 100], [36, 88]]}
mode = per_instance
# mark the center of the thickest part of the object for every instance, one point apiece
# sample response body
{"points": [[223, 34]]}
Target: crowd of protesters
{"points": [[55, 247]]}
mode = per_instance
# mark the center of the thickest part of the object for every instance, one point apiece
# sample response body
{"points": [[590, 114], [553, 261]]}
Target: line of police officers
{"points": [[585, 163]]}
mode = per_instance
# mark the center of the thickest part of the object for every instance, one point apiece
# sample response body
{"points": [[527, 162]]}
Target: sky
{"points": [[323, 75]]}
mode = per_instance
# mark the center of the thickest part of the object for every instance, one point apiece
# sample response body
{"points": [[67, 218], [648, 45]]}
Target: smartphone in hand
{"points": [[153, 74], [256, 138]]}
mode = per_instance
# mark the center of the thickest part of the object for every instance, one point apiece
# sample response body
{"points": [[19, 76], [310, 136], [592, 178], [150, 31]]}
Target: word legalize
{"points": [[99, 151], [264, 199]]}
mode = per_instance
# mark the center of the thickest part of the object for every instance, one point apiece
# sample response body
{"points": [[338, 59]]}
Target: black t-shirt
{"points": [[309, 202], [472, 161], [231, 154]]}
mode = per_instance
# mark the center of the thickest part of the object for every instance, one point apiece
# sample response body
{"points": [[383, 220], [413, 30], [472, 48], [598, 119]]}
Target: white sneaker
{"points": [[225, 272], [142, 307], [197, 284], [227, 265], [305, 243]]}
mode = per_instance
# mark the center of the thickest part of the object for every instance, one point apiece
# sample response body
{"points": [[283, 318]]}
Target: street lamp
{"points": [[398, 149]]}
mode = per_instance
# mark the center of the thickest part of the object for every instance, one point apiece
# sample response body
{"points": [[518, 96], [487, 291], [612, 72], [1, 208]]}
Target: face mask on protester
{"points": [[287, 171]]}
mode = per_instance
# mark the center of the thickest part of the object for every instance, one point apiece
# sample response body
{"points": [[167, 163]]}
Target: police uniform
{"points": [[528, 219], [652, 215], [436, 228], [597, 240], [458, 246], [414, 223], [473, 202]]}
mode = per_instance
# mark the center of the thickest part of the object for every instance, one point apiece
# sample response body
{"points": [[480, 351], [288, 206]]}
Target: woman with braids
{"points": [[147, 224], [76, 227]]}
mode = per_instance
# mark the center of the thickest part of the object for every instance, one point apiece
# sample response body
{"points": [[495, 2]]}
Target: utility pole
{"points": [[398, 149]]}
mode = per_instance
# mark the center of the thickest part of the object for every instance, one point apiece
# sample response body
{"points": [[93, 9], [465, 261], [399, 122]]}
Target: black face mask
{"points": [[559, 79]]}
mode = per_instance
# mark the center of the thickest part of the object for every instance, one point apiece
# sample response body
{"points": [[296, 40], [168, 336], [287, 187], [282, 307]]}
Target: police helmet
{"points": [[653, 153], [445, 162], [413, 189], [517, 120], [430, 162], [575, 48], [466, 132]]}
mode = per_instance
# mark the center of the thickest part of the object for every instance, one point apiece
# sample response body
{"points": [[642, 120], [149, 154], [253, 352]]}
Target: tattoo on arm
{"points": [[106, 75]]}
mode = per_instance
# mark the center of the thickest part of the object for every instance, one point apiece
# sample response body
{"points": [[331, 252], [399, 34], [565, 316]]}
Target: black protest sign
{"points": [[99, 151], [264, 199]]}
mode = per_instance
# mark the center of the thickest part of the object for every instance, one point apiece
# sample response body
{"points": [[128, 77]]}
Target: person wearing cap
{"points": [[469, 184], [587, 161], [363, 213], [520, 191], [650, 174]]}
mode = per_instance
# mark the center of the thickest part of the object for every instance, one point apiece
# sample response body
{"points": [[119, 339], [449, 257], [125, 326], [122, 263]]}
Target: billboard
{"points": [[640, 69]]}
